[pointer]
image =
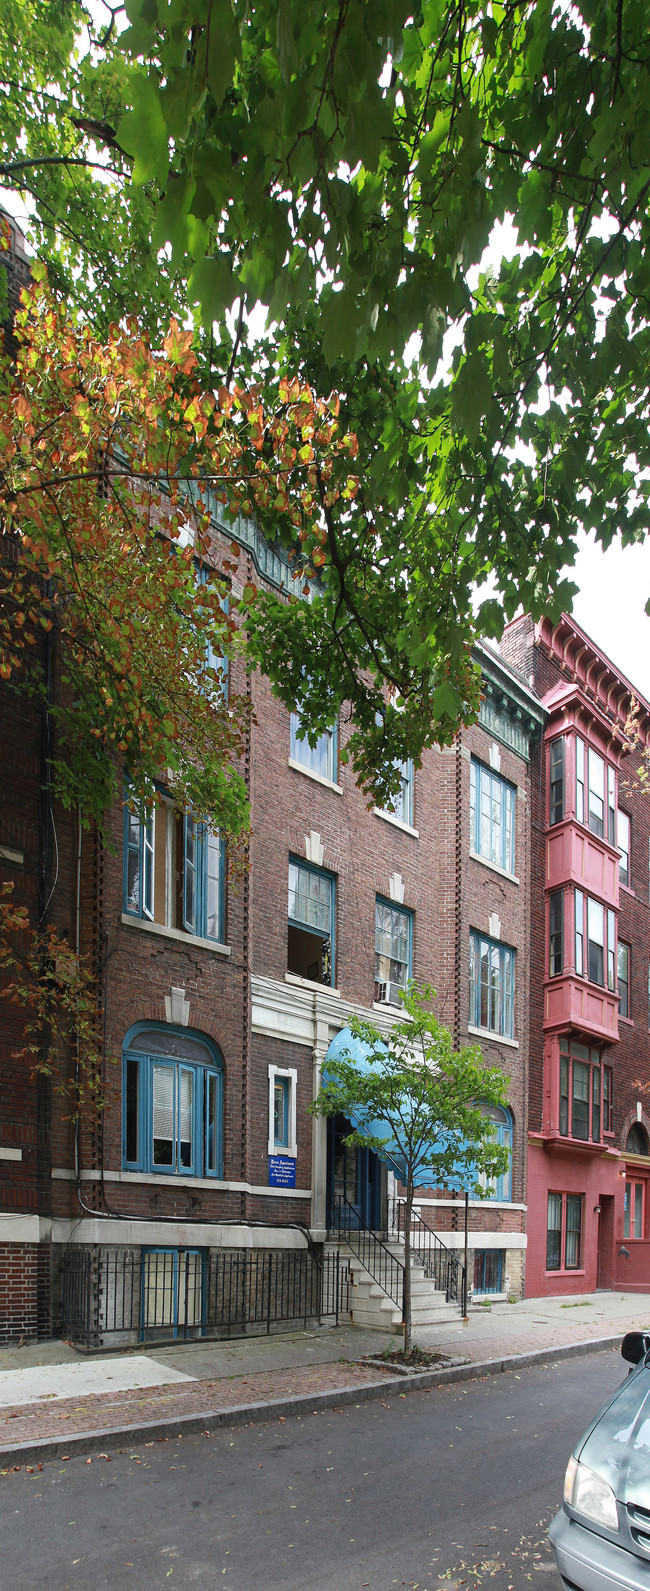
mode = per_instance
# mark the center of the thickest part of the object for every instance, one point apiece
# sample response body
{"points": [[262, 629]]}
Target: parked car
{"points": [[601, 1537]]}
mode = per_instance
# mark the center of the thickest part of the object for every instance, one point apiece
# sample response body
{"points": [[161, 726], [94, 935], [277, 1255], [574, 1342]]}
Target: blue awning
{"points": [[346, 1044]]}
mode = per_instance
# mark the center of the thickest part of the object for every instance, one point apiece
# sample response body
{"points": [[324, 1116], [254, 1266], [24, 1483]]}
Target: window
{"points": [[491, 986], [203, 880], [596, 817], [607, 1099], [488, 1270], [403, 805], [556, 807], [282, 1111], [556, 931], [319, 758], [216, 665], [173, 1294], [636, 1142], [172, 1104], [499, 1188], [393, 950], [564, 1231], [581, 1089], [623, 836], [138, 862], [601, 940], [491, 817], [634, 1209], [310, 949], [580, 780], [623, 979], [174, 871], [611, 805]]}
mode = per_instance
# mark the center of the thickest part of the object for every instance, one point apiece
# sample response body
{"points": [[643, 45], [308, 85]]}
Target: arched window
{"points": [[499, 1187], [636, 1142], [172, 1102]]}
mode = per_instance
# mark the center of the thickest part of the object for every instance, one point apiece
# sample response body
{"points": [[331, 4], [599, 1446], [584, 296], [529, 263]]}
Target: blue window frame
{"points": [[321, 758], [499, 1188], [311, 922], [491, 817], [172, 1103], [393, 950], [491, 986], [488, 1270], [203, 880], [138, 862], [173, 1294]]}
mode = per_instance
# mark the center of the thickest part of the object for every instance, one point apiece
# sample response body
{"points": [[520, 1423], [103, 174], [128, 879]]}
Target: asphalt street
{"points": [[449, 1488]]}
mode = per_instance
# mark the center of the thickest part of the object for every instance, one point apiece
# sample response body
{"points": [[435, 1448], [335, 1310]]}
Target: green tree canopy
{"points": [[444, 209]]}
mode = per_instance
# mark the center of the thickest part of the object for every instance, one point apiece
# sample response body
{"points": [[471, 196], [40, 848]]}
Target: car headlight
{"points": [[590, 1495]]}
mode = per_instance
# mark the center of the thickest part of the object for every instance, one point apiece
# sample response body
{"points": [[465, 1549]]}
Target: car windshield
{"points": [[618, 1446]]}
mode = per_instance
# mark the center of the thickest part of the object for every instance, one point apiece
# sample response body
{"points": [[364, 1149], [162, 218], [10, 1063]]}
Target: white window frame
{"points": [[290, 1149]]}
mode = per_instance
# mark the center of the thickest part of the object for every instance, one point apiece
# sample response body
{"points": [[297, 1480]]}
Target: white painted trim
{"points": [[177, 934], [495, 1038], [7, 1153], [152, 1179], [24, 1229], [311, 983], [474, 1204], [318, 778], [292, 1148], [494, 867], [389, 817], [184, 1234], [308, 1014], [505, 1240]]}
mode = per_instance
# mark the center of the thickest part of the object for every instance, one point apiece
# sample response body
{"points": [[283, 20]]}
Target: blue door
{"points": [[353, 1178], [173, 1294]]}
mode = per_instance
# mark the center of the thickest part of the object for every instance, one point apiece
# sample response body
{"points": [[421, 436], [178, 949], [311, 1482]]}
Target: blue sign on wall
{"points": [[282, 1171]]}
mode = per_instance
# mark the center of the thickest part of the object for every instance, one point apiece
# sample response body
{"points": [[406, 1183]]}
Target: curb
{"points": [[282, 1408]]}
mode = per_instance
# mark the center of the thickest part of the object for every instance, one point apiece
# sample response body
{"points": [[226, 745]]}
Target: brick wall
{"points": [[18, 1291]]}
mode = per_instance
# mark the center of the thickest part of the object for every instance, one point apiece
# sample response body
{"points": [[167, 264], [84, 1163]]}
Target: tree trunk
{"points": [[406, 1310]]}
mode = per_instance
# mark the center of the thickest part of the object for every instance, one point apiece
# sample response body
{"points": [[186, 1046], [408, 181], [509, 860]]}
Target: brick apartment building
{"points": [[220, 998]]}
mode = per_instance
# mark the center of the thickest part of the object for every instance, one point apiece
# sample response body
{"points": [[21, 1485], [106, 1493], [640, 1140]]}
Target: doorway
{"points": [[604, 1274], [353, 1176]]}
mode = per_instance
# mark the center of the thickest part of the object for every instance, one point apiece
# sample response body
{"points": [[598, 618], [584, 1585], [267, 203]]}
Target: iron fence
{"points": [[124, 1296]]}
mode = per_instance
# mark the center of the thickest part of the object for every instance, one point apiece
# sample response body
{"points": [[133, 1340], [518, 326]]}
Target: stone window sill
{"points": [[495, 1038], [309, 773], [389, 817], [177, 934], [310, 983], [493, 867]]}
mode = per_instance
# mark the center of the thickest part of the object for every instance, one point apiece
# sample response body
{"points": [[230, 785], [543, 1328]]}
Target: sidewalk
{"points": [[49, 1392]]}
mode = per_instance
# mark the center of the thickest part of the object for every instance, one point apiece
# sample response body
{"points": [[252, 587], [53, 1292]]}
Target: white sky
{"points": [[610, 606]]}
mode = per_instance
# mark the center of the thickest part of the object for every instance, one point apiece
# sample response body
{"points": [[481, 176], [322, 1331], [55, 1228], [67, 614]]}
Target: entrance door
{"points": [[353, 1178], [605, 1242]]}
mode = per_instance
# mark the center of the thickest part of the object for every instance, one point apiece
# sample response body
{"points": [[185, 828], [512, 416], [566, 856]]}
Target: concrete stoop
{"points": [[371, 1306]]}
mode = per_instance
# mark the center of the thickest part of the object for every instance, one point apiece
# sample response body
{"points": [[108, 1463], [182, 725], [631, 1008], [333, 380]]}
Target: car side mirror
{"points": [[635, 1346]]}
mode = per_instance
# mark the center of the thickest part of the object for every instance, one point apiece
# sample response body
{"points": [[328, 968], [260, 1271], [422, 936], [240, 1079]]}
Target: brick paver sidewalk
{"points": [[104, 1411]]}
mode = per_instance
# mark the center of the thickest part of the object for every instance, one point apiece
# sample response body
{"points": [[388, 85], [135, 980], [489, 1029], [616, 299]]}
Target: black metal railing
{"points": [[440, 1264], [375, 1257], [125, 1296]]}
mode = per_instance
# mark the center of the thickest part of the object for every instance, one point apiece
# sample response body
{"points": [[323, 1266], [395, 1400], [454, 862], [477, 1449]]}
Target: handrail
{"points": [[375, 1257], [439, 1263]]}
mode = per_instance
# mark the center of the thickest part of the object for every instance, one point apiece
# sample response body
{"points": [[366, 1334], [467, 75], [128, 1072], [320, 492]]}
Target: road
{"points": [[443, 1489]]}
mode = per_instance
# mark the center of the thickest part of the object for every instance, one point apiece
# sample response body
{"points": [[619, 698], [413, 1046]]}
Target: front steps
{"points": [[371, 1306]]}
